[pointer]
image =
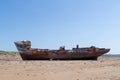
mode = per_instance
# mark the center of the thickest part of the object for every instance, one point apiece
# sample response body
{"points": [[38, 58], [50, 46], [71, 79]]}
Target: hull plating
{"points": [[62, 56]]}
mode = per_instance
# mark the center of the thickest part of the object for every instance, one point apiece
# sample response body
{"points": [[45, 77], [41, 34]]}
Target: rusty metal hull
{"points": [[88, 53], [62, 56]]}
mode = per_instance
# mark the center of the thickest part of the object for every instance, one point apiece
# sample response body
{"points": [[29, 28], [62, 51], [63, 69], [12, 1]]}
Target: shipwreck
{"points": [[86, 53]]}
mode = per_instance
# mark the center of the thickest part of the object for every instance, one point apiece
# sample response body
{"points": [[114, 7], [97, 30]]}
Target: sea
{"points": [[111, 55]]}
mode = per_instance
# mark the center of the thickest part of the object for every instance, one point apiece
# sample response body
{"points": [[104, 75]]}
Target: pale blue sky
{"points": [[54, 23]]}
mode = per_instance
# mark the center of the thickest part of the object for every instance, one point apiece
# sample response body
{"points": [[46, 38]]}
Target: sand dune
{"points": [[13, 68]]}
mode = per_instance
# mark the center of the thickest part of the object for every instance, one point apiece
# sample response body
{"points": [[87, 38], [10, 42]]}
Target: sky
{"points": [[54, 23]]}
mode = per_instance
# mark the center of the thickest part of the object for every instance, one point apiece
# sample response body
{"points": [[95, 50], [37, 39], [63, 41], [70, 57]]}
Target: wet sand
{"points": [[12, 67]]}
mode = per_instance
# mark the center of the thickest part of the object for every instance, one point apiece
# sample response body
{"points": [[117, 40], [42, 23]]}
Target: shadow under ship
{"points": [[87, 53]]}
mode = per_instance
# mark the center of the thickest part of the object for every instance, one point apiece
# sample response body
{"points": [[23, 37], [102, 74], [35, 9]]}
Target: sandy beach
{"points": [[12, 67]]}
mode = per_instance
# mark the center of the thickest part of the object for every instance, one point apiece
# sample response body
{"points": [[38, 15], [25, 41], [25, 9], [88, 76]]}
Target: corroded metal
{"points": [[87, 53]]}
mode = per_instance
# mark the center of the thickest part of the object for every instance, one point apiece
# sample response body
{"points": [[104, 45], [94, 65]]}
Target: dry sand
{"points": [[13, 68]]}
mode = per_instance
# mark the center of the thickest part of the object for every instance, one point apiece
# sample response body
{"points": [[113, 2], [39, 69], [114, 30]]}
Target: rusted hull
{"points": [[34, 57], [64, 56]]}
